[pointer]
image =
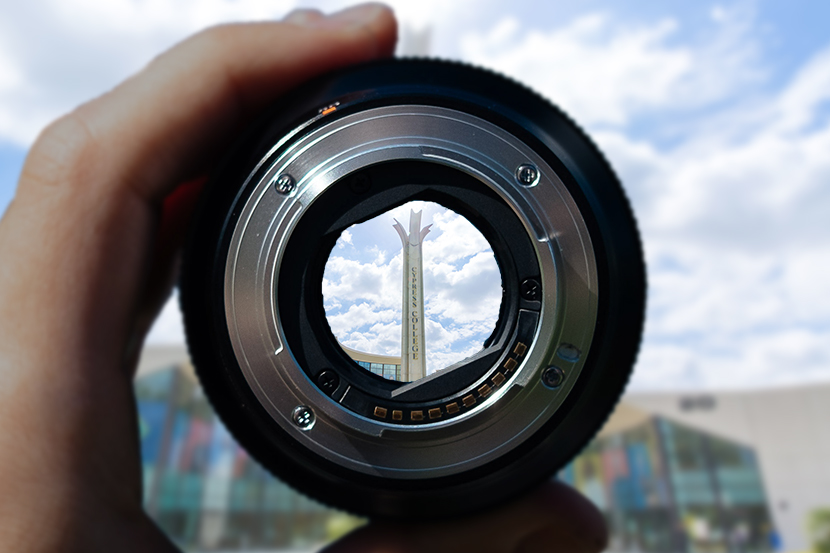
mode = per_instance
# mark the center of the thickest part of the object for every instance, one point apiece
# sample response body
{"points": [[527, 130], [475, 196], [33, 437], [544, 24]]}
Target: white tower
{"points": [[413, 345]]}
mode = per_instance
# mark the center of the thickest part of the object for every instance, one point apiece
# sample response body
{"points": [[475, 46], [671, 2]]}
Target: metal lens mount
{"points": [[346, 148]]}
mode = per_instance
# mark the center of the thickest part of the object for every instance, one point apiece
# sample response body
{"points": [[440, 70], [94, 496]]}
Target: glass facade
{"points": [[391, 372], [666, 487], [205, 491], [663, 487]]}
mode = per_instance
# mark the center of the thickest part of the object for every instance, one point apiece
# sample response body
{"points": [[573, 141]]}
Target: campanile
{"points": [[413, 345]]}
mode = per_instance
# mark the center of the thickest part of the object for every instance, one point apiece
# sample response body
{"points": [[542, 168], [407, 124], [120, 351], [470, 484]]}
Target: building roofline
{"points": [[370, 357]]}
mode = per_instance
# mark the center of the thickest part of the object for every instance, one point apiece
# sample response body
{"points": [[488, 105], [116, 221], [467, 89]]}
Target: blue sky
{"points": [[716, 116], [11, 162]]}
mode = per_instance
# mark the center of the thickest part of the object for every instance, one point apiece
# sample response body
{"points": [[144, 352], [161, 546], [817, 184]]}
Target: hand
{"points": [[87, 257]]}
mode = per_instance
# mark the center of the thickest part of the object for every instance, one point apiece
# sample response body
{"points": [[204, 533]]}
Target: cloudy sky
{"points": [[716, 116]]}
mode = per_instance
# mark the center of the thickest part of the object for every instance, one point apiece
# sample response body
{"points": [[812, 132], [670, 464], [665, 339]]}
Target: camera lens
{"points": [[406, 438]]}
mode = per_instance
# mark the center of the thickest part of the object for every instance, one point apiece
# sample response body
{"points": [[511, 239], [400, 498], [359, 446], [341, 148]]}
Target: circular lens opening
{"points": [[412, 291]]}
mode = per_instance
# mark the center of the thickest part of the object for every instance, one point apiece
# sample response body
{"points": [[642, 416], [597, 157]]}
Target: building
{"points": [[387, 366], [731, 471], [667, 487], [789, 430], [201, 487]]}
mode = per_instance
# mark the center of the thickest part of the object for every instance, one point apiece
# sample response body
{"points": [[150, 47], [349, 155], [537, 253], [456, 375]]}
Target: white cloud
{"points": [[350, 280], [735, 224], [458, 239], [809, 90], [65, 53], [358, 316], [467, 294], [9, 73], [345, 238], [605, 73]]}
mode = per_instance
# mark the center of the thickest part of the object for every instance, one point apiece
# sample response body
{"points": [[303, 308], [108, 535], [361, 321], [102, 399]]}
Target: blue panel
{"points": [[151, 415]]}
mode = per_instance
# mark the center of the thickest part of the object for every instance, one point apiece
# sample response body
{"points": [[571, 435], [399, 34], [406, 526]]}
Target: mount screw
{"points": [[531, 290], [328, 381], [527, 174], [285, 184], [553, 377], [303, 417]]}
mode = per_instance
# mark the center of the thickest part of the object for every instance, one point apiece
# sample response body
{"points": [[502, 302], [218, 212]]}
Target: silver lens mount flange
{"points": [[316, 160]]}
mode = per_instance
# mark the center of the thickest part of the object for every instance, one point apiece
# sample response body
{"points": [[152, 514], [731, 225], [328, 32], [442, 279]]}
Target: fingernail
{"points": [[304, 18], [356, 16]]}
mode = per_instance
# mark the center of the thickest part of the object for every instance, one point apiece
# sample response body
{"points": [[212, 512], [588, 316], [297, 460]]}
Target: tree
{"points": [[819, 524]]}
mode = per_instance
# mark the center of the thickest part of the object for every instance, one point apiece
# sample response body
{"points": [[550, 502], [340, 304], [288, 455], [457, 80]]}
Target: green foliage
{"points": [[820, 530], [340, 524]]}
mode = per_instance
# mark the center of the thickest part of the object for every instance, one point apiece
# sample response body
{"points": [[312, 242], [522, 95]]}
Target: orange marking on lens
{"points": [[329, 108]]}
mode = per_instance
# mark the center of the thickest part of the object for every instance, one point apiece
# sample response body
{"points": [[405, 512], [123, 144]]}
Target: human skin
{"points": [[88, 251]]}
